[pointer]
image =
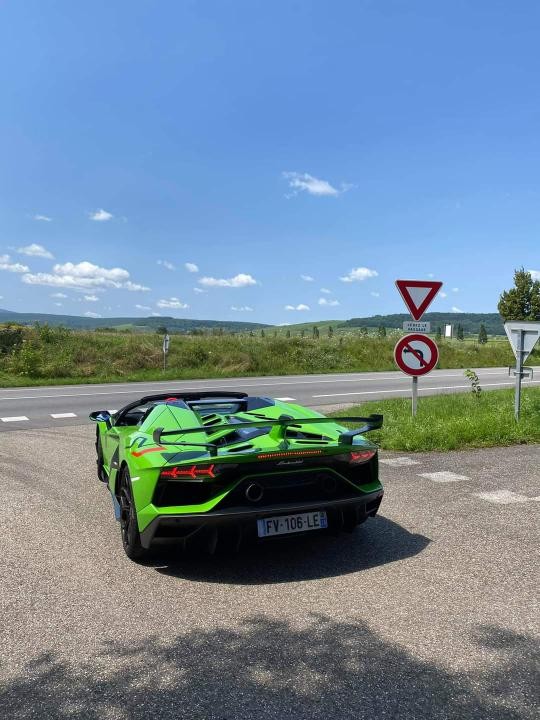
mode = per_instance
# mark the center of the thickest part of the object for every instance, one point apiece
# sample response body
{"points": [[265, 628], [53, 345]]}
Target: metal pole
{"points": [[519, 373], [414, 394], [164, 361]]}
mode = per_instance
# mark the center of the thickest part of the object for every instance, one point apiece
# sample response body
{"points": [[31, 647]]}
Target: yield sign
{"points": [[418, 294], [523, 337]]}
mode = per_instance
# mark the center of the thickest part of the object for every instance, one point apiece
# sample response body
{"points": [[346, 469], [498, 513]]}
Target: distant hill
{"points": [[469, 321], [141, 324]]}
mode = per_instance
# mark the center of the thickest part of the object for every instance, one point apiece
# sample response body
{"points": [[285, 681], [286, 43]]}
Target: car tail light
{"points": [[193, 472], [361, 456]]}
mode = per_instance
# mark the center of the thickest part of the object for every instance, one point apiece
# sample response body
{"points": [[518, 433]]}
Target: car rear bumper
{"points": [[342, 514]]}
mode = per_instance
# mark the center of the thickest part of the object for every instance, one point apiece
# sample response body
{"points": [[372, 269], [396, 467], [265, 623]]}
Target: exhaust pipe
{"points": [[254, 492]]}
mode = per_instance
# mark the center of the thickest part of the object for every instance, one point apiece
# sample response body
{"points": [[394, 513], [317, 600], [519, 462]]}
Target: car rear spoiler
{"points": [[278, 429]]}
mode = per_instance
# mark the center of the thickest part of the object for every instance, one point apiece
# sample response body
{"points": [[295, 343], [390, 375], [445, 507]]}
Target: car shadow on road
{"points": [[269, 668], [378, 542]]}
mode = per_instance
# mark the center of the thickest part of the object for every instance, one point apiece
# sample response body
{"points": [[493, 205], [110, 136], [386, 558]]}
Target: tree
{"points": [[364, 331], [381, 332], [459, 332], [161, 330], [522, 302], [330, 331], [482, 335], [262, 332], [288, 334], [438, 334], [315, 332], [303, 333]]}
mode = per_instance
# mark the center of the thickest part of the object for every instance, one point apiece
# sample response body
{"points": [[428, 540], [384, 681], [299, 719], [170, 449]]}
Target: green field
{"points": [[454, 422], [55, 355]]}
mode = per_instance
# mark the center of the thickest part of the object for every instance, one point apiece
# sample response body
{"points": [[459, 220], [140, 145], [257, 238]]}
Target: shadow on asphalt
{"points": [[266, 668], [378, 542]]}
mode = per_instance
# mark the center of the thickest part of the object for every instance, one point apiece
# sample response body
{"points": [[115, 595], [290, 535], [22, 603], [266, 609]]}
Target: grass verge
{"points": [[456, 422]]}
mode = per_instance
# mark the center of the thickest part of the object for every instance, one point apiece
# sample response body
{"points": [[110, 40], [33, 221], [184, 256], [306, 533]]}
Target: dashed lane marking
{"points": [[17, 418], [444, 476], [505, 497], [60, 416], [399, 461], [285, 399]]}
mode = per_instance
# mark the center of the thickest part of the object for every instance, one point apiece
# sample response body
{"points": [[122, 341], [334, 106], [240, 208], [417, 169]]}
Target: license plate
{"points": [[285, 524]]}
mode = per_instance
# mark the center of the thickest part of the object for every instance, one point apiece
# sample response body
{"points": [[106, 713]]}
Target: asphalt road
{"points": [[428, 611], [70, 404]]}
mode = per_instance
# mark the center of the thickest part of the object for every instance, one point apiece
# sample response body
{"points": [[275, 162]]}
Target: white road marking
{"points": [[285, 399], [443, 476], [421, 389], [399, 461], [505, 497], [59, 416], [18, 418], [240, 385]]}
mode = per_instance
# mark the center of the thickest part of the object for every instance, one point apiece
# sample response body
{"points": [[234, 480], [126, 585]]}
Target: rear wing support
{"points": [[278, 429]]}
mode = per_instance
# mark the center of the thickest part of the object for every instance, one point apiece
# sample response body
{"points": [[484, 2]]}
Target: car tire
{"points": [[131, 538]]}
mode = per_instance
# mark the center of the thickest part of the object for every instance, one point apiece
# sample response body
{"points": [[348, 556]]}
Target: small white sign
{"points": [[447, 331], [411, 326], [166, 341], [530, 331]]}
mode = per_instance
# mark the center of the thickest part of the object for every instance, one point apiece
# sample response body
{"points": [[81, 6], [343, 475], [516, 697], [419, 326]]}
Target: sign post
{"points": [[166, 341], [416, 354], [523, 336]]}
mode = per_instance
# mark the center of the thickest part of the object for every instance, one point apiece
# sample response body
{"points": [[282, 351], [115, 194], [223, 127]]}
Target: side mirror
{"points": [[101, 416]]}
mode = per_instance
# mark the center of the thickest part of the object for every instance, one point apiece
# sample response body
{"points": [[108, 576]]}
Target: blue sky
{"points": [[295, 154]]}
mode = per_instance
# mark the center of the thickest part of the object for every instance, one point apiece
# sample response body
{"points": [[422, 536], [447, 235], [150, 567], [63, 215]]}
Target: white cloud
{"points": [[456, 309], [35, 250], [359, 274], [143, 307], [303, 182], [430, 275], [442, 294], [326, 291], [172, 304], [43, 218], [83, 276], [135, 287], [166, 264], [325, 301], [91, 314], [242, 308], [535, 274], [455, 289], [5, 264], [156, 314], [198, 290], [91, 298], [100, 215], [301, 307], [240, 280], [58, 295], [307, 278], [375, 294], [58, 304], [191, 267]]}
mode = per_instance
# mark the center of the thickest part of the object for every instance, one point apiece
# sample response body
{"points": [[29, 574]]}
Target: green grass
{"points": [[54, 355], [456, 422]]}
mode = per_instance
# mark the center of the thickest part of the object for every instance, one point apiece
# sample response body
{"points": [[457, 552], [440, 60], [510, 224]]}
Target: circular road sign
{"points": [[416, 354]]}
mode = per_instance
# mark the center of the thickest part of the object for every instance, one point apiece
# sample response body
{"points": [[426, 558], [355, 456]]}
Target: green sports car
{"points": [[207, 468]]}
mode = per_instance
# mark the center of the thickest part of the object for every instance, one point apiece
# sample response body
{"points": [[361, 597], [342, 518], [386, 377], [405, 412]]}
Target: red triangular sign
{"points": [[418, 294]]}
